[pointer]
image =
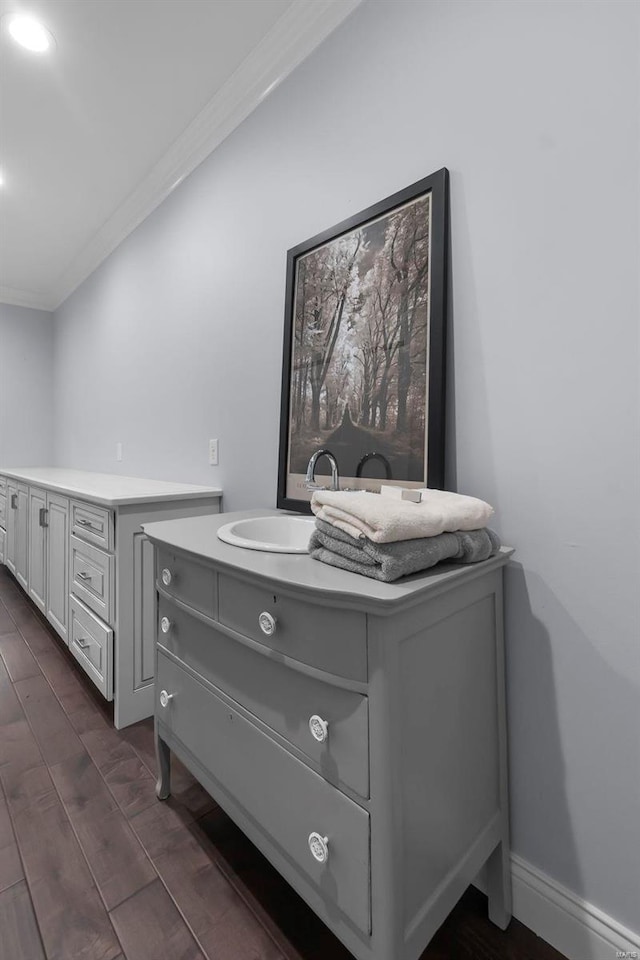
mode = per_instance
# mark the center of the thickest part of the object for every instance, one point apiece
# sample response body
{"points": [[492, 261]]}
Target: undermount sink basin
{"points": [[274, 534]]}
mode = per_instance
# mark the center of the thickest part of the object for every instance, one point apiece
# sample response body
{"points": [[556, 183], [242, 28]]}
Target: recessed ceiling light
{"points": [[30, 33]]}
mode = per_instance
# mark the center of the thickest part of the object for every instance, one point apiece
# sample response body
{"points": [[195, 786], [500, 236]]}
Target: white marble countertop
{"points": [[198, 536], [107, 489]]}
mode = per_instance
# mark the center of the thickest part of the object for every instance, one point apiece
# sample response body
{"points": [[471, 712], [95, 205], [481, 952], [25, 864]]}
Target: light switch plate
{"points": [[213, 453]]}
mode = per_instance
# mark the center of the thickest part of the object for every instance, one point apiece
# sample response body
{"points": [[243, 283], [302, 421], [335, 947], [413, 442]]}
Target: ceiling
{"points": [[136, 93]]}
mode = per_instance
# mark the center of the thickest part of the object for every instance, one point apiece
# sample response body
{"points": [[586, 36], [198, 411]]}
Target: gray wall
{"points": [[26, 386], [177, 338]]}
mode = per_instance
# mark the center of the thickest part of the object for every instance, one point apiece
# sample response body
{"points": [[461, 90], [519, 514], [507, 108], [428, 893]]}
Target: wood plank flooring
{"points": [[93, 867]]}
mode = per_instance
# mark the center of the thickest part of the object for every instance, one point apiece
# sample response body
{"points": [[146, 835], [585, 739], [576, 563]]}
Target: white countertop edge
{"points": [[94, 487]]}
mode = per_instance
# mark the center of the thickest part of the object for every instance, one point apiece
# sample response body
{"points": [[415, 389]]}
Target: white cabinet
{"points": [[37, 553], [57, 564], [92, 566], [75, 544], [48, 556], [3, 518], [17, 531], [10, 546]]}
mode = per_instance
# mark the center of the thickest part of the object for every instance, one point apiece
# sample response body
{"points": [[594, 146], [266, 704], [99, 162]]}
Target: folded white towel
{"points": [[385, 520]]}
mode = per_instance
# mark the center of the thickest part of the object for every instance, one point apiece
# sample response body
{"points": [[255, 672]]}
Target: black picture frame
{"points": [[378, 222]]}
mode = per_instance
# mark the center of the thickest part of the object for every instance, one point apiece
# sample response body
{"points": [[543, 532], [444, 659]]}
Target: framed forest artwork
{"points": [[364, 347]]}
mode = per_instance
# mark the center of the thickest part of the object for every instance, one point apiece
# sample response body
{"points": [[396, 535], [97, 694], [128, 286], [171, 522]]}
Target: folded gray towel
{"points": [[390, 561]]}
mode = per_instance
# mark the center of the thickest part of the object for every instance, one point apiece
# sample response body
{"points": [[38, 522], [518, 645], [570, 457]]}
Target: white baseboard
{"points": [[575, 927]]}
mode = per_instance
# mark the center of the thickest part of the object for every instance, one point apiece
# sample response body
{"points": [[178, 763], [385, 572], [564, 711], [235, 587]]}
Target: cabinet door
{"points": [[22, 536], [58, 564], [37, 547], [12, 518]]}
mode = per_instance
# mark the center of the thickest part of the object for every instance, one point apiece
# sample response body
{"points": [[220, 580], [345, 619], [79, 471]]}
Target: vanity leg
{"points": [[163, 755], [499, 862], [499, 886]]}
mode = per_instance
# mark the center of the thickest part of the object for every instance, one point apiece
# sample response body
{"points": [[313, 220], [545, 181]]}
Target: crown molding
{"points": [[26, 298], [292, 38]]}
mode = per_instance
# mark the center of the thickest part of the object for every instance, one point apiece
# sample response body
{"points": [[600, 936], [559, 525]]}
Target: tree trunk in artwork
{"points": [[316, 390], [404, 358], [383, 403], [327, 407]]}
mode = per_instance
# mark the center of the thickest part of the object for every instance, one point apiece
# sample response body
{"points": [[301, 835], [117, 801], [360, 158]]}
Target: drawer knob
{"points": [[167, 576], [165, 698], [319, 728], [267, 623], [319, 847], [165, 624]]}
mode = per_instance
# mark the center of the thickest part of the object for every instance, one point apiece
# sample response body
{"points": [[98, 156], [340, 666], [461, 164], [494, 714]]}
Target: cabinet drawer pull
{"points": [[165, 698], [43, 517], [319, 728], [81, 575], [82, 643], [319, 847], [14, 501], [85, 523], [165, 624], [267, 623], [166, 576]]}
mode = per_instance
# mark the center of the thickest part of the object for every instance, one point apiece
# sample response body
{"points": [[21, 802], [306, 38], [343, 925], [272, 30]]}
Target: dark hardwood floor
{"points": [[93, 867]]}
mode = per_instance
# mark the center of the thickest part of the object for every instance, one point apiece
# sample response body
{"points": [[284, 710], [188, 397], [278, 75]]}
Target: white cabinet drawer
{"points": [[92, 578], [3, 484], [2, 539], [286, 800], [3, 510], [91, 643], [93, 524]]}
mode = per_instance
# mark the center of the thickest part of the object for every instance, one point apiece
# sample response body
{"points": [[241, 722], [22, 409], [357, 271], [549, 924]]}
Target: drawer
{"points": [[2, 544], [281, 697], [92, 578], [329, 639], [93, 524], [91, 643], [3, 484], [284, 798], [188, 581], [3, 510]]}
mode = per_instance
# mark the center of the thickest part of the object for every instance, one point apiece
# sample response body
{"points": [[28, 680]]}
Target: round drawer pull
{"points": [[319, 728], [167, 576], [165, 624], [319, 847], [267, 623], [165, 698]]}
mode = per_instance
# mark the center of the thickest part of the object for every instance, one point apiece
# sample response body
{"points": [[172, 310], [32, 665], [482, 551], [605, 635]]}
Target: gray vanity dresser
{"points": [[354, 730]]}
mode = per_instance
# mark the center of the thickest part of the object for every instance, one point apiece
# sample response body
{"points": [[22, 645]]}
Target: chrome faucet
{"points": [[310, 479]]}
